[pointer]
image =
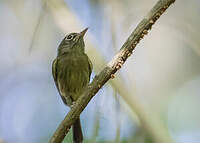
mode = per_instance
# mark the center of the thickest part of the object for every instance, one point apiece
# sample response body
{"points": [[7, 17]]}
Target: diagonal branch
{"points": [[113, 66]]}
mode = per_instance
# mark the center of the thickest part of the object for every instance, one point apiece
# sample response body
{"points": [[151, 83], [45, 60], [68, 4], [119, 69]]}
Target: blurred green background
{"points": [[154, 98]]}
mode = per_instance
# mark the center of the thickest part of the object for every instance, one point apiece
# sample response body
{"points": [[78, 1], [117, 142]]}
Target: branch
{"points": [[113, 66]]}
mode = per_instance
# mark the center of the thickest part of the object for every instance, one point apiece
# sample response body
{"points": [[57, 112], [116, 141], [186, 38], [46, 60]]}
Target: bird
{"points": [[71, 70]]}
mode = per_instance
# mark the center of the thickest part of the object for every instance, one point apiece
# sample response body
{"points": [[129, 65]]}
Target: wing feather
{"points": [[54, 72], [90, 67], [55, 75]]}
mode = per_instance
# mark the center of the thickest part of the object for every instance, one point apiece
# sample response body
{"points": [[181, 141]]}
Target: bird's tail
{"points": [[77, 132]]}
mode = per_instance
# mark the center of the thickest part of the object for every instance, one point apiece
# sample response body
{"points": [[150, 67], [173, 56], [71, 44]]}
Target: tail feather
{"points": [[77, 132]]}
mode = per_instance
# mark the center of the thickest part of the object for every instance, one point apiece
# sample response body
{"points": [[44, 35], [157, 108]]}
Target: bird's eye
{"points": [[70, 37]]}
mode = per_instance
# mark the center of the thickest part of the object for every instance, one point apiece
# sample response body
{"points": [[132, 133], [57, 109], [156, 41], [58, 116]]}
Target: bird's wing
{"points": [[90, 66], [55, 72]]}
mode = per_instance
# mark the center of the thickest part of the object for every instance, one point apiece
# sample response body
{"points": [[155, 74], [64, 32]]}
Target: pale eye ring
{"points": [[70, 37]]}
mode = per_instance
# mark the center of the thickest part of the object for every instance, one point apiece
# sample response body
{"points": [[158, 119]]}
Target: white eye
{"points": [[70, 37]]}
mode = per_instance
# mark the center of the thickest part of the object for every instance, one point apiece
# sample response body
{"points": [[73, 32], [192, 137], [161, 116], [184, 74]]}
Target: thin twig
{"points": [[118, 111], [35, 32], [108, 72]]}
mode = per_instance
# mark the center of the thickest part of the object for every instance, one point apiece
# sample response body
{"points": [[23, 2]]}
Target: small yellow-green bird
{"points": [[71, 72]]}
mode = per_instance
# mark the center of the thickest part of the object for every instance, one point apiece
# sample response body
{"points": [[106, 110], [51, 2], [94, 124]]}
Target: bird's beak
{"points": [[82, 33]]}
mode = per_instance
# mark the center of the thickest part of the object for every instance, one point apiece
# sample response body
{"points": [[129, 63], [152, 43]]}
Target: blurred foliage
{"points": [[158, 87]]}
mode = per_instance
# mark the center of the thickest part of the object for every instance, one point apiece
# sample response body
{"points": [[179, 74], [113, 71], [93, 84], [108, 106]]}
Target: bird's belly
{"points": [[73, 78]]}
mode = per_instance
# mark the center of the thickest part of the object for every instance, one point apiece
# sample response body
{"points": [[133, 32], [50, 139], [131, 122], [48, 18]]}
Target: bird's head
{"points": [[72, 42]]}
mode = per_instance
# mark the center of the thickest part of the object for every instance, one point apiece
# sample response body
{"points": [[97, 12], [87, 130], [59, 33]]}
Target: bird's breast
{"points": [[73, 74]]}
